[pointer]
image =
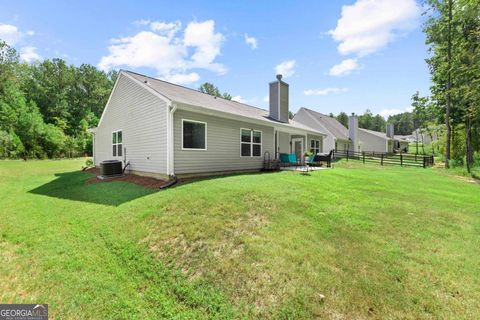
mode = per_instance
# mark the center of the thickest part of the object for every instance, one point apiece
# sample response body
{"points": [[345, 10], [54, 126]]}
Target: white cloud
{"points": [[251, 41], [10, 34], [171, 54], [391, 112], [368, 25], [29, 54], [344, 68], [324, 92], [238, 99], [286, 68], [207, 43], [183, 78]]}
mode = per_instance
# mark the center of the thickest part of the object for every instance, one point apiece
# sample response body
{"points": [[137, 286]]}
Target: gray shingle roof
{"points": [[196, 98], [375, 133], [331, 124]]}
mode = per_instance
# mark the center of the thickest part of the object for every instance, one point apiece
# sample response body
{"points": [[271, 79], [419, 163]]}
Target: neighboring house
{"points": [[374, 141], [425, 136], [337, 134], [354, 138], [164, 129]]}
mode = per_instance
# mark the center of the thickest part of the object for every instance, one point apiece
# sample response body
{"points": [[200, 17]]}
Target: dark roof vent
{"points": [[279, 77]]}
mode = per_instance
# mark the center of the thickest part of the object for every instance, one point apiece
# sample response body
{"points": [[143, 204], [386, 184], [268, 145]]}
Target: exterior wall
{"points": [[328, 142], [223, 145], [370, 142], [142, 117], [283, 142]]}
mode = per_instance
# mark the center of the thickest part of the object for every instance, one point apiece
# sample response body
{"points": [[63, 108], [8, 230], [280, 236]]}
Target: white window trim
{"points": [[206, 135], [319, 146], [251, 143], [116, 144]]}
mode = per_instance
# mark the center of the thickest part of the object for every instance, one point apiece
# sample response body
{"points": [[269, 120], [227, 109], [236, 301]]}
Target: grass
{"points": [[359, 241]]}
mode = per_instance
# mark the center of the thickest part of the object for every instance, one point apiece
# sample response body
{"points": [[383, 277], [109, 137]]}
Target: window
{"points": [[250, 143], [315, 146], [117, 143], [194, 136]]}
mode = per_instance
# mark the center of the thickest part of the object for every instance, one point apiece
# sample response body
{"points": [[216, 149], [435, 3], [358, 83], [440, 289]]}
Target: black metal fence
{"points": [[399, 159]]}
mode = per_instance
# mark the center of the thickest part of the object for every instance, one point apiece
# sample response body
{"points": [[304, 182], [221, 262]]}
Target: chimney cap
{"points": [[279, 77]]}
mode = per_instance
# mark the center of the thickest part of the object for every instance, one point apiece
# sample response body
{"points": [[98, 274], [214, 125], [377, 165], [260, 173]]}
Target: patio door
{"points": [[297, 146]]}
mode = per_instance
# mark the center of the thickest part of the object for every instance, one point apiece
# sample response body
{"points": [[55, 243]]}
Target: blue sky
{"points": [[336, 55]]}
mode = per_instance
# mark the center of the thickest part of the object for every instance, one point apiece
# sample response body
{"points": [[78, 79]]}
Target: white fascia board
{"points": [[146, 86]]}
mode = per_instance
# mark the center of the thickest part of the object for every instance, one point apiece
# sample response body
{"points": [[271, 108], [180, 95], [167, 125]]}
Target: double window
{"points": [[194, 135], [315, 146], [250, 143], [117, 143]]}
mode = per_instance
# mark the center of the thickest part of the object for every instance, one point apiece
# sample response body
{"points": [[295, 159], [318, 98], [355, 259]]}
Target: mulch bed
{"points": [[147, 182]]}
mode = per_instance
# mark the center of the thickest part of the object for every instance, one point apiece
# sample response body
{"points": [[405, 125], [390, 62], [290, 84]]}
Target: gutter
{"points": [[285, 127]]}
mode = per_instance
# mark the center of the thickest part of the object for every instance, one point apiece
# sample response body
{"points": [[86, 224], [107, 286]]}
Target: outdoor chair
{"points": [[288, 159]]}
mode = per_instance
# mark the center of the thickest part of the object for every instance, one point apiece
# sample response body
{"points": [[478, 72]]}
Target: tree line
{"points": [[47, 107], [453, 37]]}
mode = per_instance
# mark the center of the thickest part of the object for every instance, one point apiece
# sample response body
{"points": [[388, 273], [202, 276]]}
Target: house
{"points": [[337, 134], [163, 129], [354, 138]]}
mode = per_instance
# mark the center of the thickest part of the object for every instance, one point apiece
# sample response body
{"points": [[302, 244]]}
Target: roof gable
{"points": [[331, 124]]}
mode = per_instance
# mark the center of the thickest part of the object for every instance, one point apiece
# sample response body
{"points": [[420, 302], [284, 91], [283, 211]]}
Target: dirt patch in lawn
{"points": [[146, 182]]}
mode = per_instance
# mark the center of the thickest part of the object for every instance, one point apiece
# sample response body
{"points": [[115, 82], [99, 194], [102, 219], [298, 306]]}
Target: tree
{"points": [[453, 36], [342, 117], [365, 120], [212, 90]]}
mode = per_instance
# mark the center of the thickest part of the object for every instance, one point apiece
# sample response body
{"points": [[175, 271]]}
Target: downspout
{"points": [[170, 141]]}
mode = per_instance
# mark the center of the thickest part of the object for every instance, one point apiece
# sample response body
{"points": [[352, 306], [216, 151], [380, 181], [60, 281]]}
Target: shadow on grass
{"points": [[73, 186]]}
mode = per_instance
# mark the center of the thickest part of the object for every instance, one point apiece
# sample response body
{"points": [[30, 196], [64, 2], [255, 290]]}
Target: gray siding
{"points": [[283, 142], [273, 100], [143, 120], [371, 142], [223, 145], [284, 102]]}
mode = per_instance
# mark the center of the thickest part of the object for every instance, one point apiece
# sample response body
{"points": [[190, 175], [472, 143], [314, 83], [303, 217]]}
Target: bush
{"points": [[89, 162]]}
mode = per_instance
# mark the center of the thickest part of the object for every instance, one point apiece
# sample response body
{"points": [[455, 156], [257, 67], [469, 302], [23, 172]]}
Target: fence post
{"points": [[347, 154], [423, 161], [381, 159], [415, 157], [401, 160], [363, 154]]}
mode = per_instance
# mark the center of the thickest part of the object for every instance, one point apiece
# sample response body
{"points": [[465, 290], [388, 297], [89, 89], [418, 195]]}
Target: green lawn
{"points": [[376, 242]]}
